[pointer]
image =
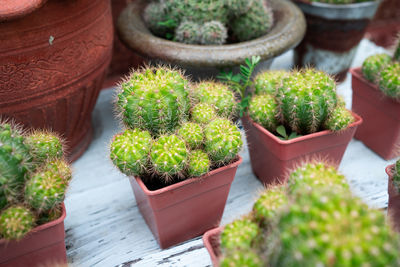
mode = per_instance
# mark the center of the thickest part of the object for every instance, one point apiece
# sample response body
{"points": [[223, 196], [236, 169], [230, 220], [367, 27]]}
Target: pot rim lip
{"points": [[339, 6], [206, 241], [389, 171], [357, 122], [19, 9], [41, 227], [235, 164]]}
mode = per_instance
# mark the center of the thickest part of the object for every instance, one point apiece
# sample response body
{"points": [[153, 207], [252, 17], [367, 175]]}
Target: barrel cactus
{"points": [[213, 33], [16, 222], [203, 113], [188, 32], [373, 65], [339, 119], [198, 164], [266, 208], [44, 145], [268, 82], [263, 109], [240, 234], [389, 82], [192, 134], [241, 257]]}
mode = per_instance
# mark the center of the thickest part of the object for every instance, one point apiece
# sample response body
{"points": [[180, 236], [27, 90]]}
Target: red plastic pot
{"points": [[381, 128], [272, 158], [186, 209], [394, 200], [211, 240], [43, 245]]}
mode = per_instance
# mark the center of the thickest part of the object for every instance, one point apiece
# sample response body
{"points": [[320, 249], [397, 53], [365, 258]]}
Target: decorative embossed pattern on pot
{"points": [[52, 65]]}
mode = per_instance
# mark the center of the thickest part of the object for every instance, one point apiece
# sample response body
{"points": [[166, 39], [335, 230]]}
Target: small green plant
{"points": [[281, 130], [396, 175]]}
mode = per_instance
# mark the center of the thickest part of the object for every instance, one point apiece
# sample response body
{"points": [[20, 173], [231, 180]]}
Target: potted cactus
{"points": [[314, 220], [393, 172], [376, 97], [205, 36], [334, 30], [180, 150], [294, 116], [33, 180]]}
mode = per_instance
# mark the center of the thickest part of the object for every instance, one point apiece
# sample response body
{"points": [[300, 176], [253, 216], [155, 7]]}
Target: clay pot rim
{"points": [[389, 171], [207, 243], [285, 34], [42, 226], [183, 183], [357, 122], [339, 6], [18, 8]]}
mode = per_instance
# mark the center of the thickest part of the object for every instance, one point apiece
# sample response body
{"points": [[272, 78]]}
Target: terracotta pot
{"points": [[333, 34], [43, 245], [52, 65], [203, 61], [272, 159], [381, 128], [394, 200], [186, 209], [211, 240]]}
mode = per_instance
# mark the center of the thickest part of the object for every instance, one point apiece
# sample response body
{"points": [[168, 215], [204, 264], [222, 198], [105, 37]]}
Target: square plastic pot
{"points": [[381, 128], [394, 200], [186, 209], [45, 244], [211, 240], [272, 158]]}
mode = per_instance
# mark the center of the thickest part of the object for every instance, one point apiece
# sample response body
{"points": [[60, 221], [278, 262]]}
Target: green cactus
{"points": [[188, 32], [130, 150], [44, 145], [396, 175], [156, 100], [269, 81], [373, 65], [218, 95], [305, 100], [241, 258], [16, 222], [240, 234], [266, 207], [50, 215], [256, 22], [169, 156], [238, 7], [203, 113], [192, 134], [390, 80], [327, 228], [263, 109], [213, 33], [199, 163], [156, 17], [339, 119], [223, 140]]}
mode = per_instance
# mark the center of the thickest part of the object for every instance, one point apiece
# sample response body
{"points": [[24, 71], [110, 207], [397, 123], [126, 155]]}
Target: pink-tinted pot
{"points": [[394, 200], [381, 128], [43, 246], [211, 240], [272, 158], [186, 209]]}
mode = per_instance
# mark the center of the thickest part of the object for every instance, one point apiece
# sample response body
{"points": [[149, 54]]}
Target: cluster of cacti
{"points": [[207, 22], [384, 71], [396, 175], [33, 179], [175, 129], [303, 101], [313, 220]]}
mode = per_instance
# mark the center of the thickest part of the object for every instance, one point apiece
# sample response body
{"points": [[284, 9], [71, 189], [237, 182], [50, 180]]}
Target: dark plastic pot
{"points": [[381, 128], [394, 200], [43, 245], [272, 158], [211, 240], [186, 209]]}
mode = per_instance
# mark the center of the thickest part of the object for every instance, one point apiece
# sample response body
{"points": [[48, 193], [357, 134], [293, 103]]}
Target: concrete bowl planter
{"points": [[187, 209], [211, 240], [333, 34], [394, 200], [381, 128], [272, 158], [206, 61], [44, 245]]}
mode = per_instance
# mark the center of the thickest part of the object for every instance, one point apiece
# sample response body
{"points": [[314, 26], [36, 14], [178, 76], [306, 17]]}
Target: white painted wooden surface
{"points": [[104, 226]]}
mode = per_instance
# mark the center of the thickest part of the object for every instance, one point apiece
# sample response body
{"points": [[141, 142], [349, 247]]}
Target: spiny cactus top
{"points": [[268, 204], [268, 82], [389, 82], [396, 175]]}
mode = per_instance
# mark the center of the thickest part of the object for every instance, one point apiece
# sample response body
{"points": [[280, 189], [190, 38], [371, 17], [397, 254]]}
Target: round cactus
{"points": [[155, 17], [257, 21], [238, 7], [305, 100], [373, 65], [44, 145], [390, 80], [213, 33], [241, 258], [188, 32], [192, 134], [239, 234], [169, 156], [269, 81], [263, 110], [223, 140], [199, 163], [15, 222], [130, 151], [156, 100], [267, 205], [217, 95], [339, 119], [59, 167], [203, 113]]}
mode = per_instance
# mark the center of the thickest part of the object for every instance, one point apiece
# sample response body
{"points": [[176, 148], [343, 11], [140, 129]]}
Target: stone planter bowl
{"points": [[205, 61]]}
